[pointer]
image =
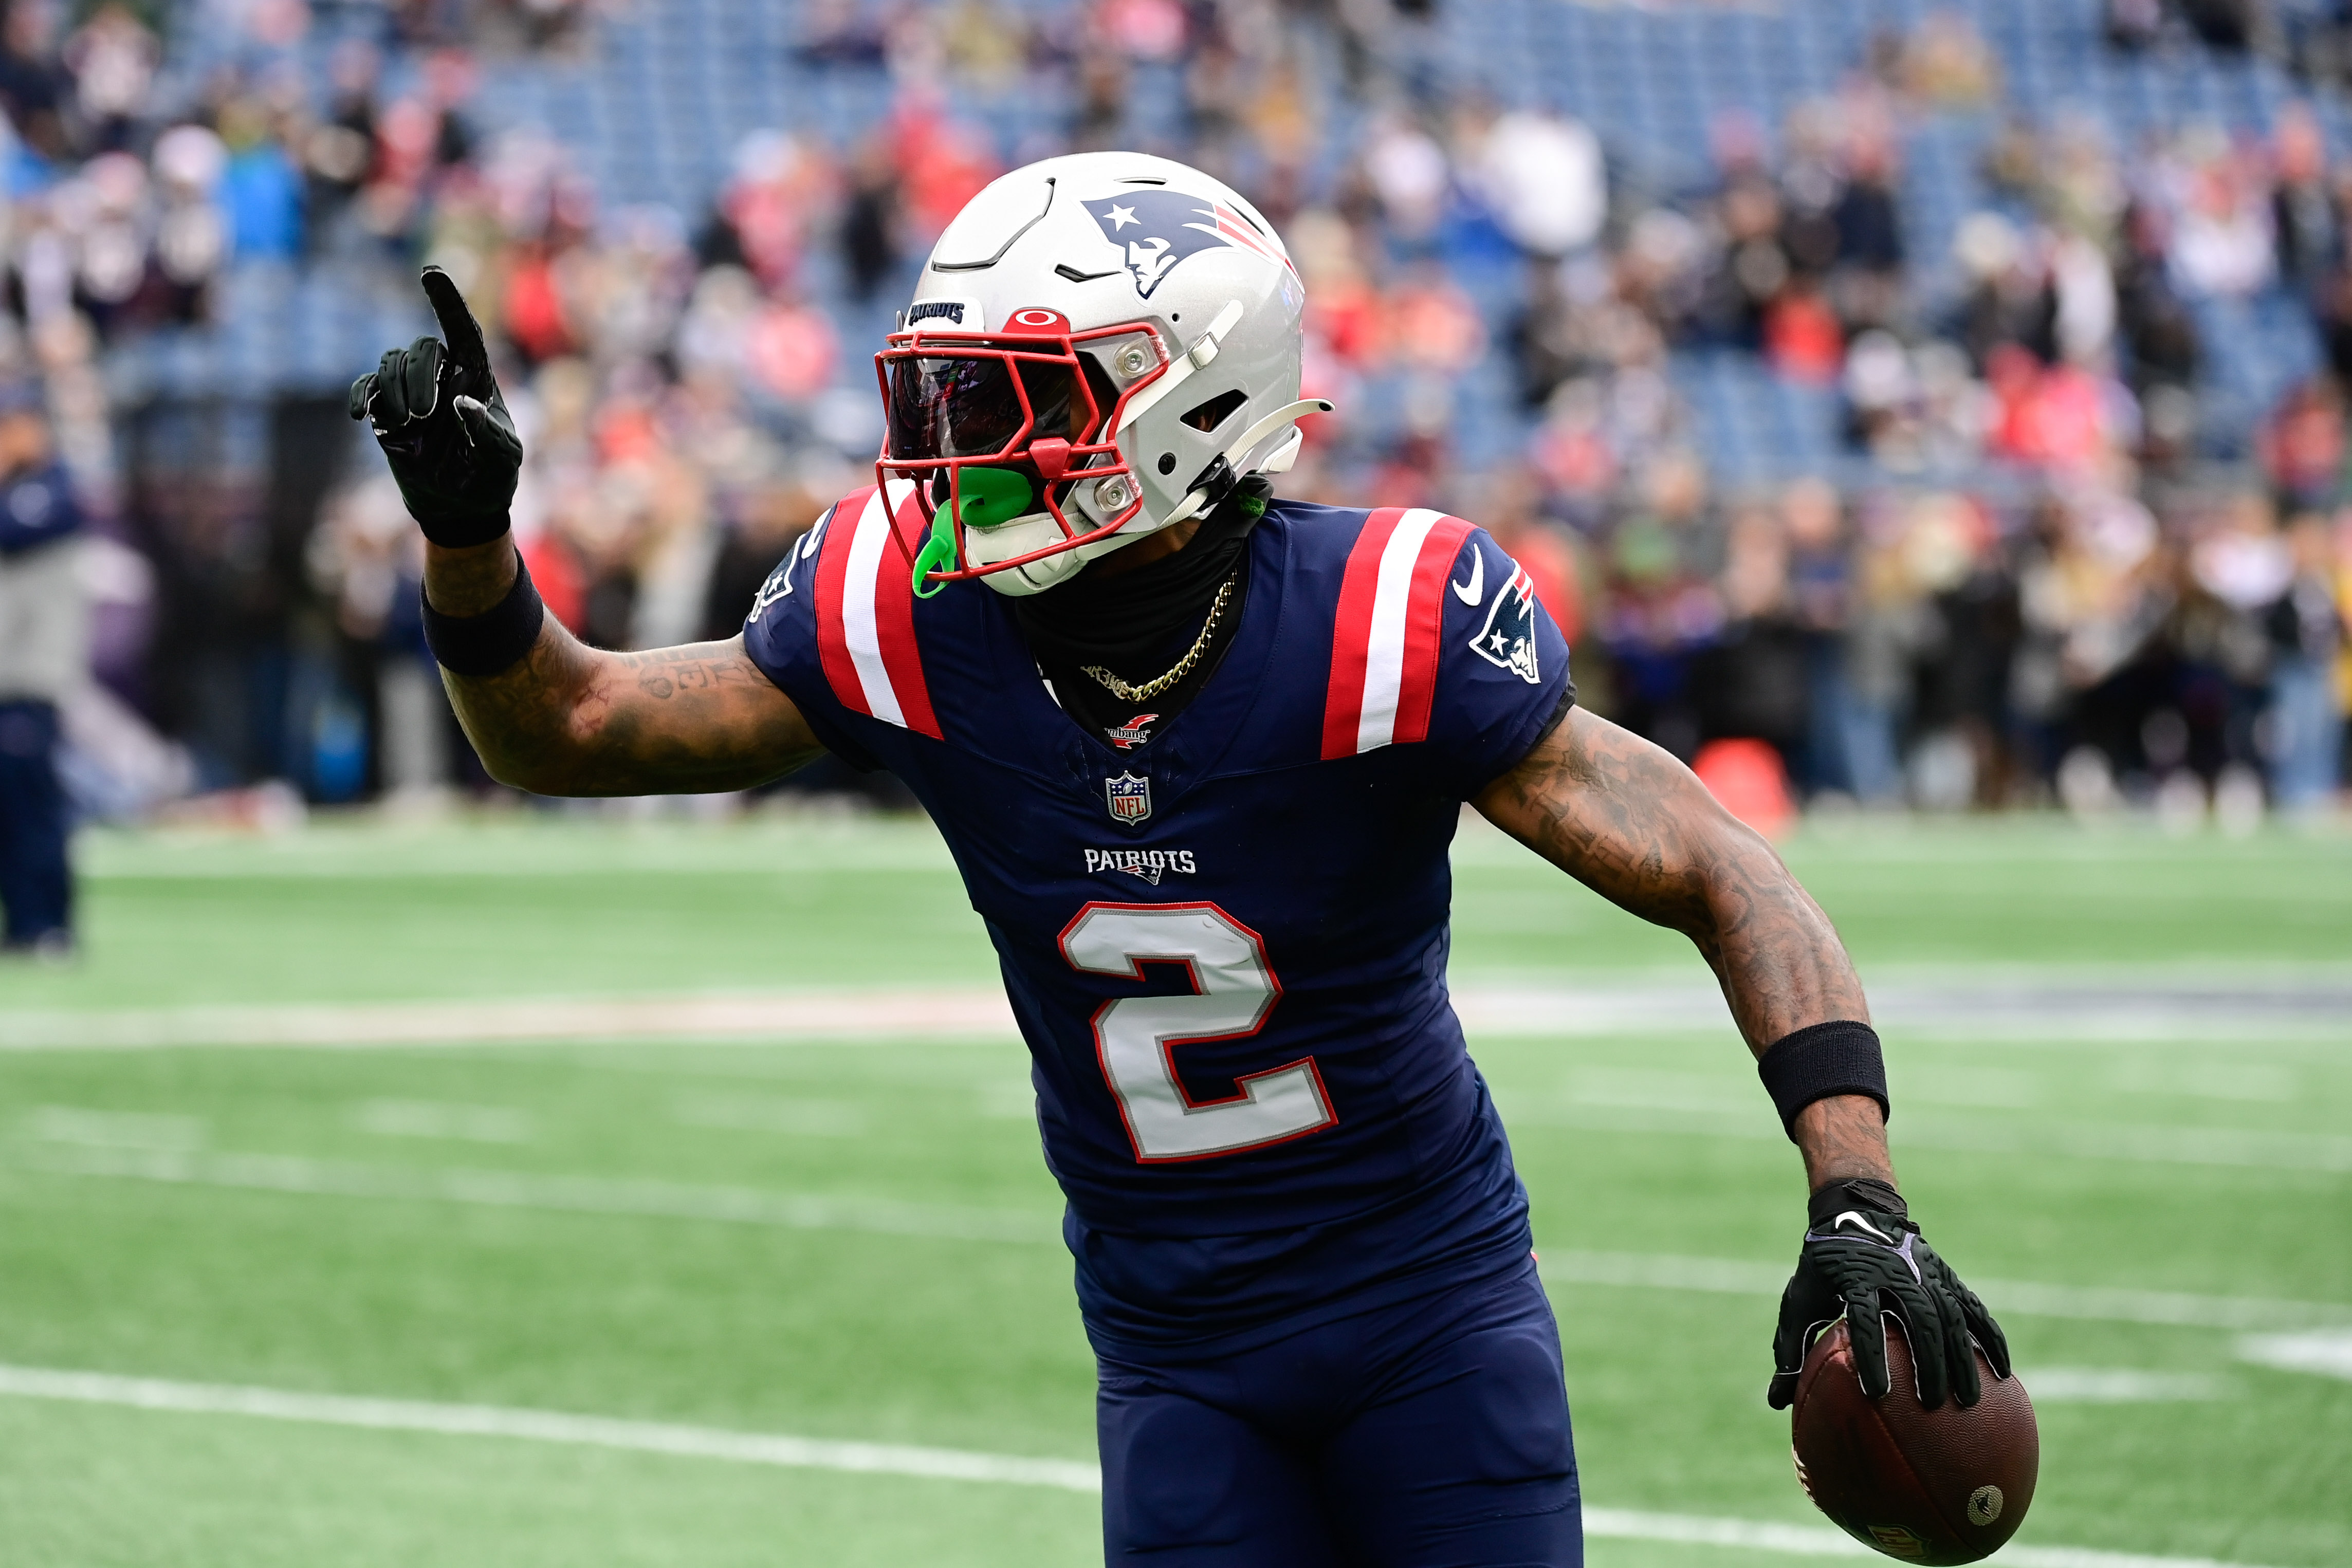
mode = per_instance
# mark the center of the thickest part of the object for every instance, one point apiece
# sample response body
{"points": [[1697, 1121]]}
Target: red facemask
{"points": [[1021, 401]]}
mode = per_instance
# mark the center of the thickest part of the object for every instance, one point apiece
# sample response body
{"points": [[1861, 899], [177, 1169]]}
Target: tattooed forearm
{"points": [[572, 720], [1631, 823], [469, 581], [1843, 1137], [668, 671]]}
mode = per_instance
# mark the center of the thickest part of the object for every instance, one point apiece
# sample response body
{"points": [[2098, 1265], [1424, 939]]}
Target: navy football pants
{"points": [[36, 889], [1429, 1435]]}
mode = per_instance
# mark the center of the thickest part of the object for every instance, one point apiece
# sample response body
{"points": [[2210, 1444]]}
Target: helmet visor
{"points": [[957, 405]]}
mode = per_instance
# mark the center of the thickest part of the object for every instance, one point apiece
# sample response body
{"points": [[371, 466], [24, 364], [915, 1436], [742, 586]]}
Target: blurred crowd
{"points": [[2050, 569], [2060, 578]]}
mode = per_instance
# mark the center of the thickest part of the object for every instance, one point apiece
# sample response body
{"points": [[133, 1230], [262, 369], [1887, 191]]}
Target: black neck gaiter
{"points": [[1128, 622]]}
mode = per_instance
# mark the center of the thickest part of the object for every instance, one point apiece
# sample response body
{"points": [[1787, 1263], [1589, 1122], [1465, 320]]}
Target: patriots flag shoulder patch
{"points": [[1507, 639], [1155, 229]]}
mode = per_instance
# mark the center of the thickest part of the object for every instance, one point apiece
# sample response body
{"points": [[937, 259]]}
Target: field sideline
{"points": [[556, 1190]]}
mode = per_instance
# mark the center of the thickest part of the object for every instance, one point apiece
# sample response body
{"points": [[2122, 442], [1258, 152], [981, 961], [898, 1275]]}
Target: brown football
{"points": [[1931, 1487]]}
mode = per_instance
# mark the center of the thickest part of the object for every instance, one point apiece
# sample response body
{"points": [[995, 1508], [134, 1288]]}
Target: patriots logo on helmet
{"points": [[1156, 229]]}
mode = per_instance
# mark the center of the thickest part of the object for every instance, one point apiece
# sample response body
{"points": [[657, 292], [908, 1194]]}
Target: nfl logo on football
{"points": [[1128, 797]]}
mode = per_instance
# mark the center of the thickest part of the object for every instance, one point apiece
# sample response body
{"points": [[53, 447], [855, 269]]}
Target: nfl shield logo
{"points": [[1128, 797]]}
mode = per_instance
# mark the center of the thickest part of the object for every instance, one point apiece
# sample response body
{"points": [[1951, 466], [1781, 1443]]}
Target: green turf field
{"points": [[851, 1240]]}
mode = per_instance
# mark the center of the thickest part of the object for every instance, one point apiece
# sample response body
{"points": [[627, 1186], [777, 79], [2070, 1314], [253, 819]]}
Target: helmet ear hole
{"points": [[1167, 463], [1216, 411]]}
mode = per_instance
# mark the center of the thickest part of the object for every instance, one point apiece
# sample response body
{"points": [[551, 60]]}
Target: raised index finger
{"points": [[458, 328]]}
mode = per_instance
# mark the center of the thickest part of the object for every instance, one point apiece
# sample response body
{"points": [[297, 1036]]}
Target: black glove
{"points": [[1863, 1257], [438, 416]]}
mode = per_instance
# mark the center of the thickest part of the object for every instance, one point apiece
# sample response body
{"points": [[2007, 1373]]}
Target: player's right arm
{"points": [[569, 719], [546, 712]]}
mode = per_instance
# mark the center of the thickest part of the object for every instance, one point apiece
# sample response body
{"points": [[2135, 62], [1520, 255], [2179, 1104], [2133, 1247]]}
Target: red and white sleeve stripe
{"points": [[1390, 625], [866, 613]]}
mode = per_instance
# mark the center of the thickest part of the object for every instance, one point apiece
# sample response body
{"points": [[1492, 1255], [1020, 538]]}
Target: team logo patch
{"points": [[1134, 732], [1508, 640], [1129, 797], [779, 586], [1149, 864], [779, 583], [1156, 229]]}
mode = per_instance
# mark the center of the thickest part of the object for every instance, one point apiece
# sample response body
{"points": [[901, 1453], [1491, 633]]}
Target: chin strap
{"points": [[1217, 480], [1271, 423]]}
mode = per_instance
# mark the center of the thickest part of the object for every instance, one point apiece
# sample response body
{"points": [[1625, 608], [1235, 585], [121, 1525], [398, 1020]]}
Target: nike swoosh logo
{"points": [[1477, 588], [1901, 1249]]}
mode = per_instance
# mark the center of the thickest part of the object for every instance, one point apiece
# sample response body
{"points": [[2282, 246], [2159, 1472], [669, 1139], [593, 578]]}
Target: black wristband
{"points": [[1832, 1198], [1841, 1057], [491, 643], [462, 533]]}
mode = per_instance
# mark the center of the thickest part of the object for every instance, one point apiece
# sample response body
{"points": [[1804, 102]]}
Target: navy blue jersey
{"points": [[1225, 945]]}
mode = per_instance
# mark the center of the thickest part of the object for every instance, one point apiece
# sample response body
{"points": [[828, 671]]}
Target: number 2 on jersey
{"points": [[1136, 1038]]}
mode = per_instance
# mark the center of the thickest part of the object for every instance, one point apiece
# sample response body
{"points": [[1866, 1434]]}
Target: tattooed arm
{"points": [[572, 720], [1632, 824]]}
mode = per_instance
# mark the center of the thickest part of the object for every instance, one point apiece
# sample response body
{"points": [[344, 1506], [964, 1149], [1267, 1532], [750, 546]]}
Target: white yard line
{"points": [[870, 1459], [808, 1015], [2324, 1354], [1813, 1541], [646, 1198], [2164, 1308], [2092, 1010], [544, 850], [546, 1426], [2249, 1148], [2028, 1298], [2089, 1008], [2126, 1385], [624, 1196], [442, 1121], [1928, 1128]]}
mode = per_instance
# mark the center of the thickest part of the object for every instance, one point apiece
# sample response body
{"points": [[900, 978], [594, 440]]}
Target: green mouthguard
{"points": [[987, 499]]}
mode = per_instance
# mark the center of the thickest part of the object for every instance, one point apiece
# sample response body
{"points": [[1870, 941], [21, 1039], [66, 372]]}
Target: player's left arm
{"points": [[1626, 819]]}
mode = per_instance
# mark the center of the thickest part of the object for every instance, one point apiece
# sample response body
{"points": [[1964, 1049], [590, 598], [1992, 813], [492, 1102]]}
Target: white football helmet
{"points": [[1099, 347]]}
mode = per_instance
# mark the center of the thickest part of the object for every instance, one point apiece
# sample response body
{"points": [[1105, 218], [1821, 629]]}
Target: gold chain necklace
{"points": [[1150, 689]]}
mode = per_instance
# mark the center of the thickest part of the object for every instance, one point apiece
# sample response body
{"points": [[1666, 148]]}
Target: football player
{"points": [[1199, 753]]}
